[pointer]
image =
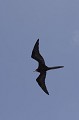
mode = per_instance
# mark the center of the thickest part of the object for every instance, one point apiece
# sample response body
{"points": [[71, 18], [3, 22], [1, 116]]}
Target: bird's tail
{"points": [[55, 67]]}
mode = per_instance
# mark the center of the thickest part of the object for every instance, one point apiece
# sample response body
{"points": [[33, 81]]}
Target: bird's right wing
{"points": [[36, 55], [41, 81]]}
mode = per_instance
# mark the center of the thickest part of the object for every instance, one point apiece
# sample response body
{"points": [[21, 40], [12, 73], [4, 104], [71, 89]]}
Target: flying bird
{"points": [[42, 68]]}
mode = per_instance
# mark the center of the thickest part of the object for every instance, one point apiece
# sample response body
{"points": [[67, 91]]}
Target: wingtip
{"points": [[47, 93], [38, 40]]}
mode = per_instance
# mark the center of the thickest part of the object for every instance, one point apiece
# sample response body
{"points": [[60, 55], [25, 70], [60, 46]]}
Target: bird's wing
{"points": [[41, 81], [36, 55]]}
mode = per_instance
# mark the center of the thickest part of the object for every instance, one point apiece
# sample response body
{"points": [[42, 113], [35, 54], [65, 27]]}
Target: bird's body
{"points": [[42, 68]]}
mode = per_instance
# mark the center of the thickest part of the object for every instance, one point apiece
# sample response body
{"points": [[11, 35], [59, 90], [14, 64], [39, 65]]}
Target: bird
{"points": [[42, 68]]}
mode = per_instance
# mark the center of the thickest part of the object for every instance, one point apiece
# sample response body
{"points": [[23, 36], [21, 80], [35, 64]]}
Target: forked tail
{"points": [[55, 67]]}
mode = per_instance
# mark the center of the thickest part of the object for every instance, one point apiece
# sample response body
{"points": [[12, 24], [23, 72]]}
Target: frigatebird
{"points": [[42, 68]]}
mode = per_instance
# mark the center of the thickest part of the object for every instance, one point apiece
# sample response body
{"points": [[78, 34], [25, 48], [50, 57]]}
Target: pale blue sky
{"points": [[56, 24]]}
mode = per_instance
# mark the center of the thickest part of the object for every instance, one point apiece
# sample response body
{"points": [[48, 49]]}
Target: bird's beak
{"points": [[34, 71]]}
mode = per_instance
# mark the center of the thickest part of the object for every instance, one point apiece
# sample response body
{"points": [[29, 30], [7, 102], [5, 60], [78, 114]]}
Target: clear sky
{"points": [[56, 24]]}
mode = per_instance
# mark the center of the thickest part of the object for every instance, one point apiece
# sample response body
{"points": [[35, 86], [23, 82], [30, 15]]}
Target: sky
{"points": [[56, 24]]}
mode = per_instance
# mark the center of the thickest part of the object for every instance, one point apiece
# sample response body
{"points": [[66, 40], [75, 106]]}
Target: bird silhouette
{"points": [[42, 68]]}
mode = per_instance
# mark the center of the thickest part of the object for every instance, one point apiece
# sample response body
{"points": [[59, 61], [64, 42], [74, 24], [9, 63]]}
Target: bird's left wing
{"points": [[36, 54], [41, 82]]}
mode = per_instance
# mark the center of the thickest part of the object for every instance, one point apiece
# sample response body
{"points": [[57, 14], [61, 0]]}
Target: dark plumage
{"points": [[42, 68]]}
